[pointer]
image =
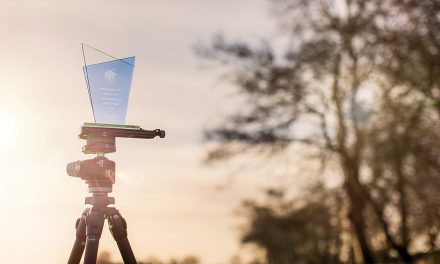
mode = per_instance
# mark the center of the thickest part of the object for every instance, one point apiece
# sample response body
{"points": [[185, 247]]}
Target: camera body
{"points": [[99, 173]]}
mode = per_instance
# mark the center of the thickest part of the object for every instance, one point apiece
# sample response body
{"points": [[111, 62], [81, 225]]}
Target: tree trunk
{"points": [[357, 207], [355, 215], [403, 208]]}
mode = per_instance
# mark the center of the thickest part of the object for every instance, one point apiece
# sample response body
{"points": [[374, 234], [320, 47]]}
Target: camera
{"points": [[99, 168], [99, 173]]}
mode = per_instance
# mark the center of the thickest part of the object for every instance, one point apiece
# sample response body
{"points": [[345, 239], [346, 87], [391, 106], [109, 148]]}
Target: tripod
{"points": [[89, 229], [99, 174]]}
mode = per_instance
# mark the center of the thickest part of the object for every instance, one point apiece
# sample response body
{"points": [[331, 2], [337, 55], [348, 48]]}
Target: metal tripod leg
{"points": [[94, 223], [88, 232], [118, 228], [80, 240]]}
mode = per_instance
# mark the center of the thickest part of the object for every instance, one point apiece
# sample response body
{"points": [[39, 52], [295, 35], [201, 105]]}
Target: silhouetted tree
{"points": [[295, 231], [341, 53], [105, 258]]}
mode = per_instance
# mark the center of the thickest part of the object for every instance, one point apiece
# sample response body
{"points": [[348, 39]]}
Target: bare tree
{"points": [[341, 53]]}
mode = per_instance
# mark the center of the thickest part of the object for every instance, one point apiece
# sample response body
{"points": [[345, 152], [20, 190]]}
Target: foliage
{"points": [[105, 258], [365, 75], [294, 232]]}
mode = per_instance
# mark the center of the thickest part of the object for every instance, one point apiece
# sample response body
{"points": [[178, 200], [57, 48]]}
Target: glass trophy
{"points": [[108, 82], [109, 85]]}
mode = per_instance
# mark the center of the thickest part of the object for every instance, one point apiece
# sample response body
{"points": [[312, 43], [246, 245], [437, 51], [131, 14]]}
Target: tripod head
{"points": [[99, 172]]}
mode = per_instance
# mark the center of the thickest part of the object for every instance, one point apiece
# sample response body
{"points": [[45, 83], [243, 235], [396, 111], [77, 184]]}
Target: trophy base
{"points": [[87, 124]]}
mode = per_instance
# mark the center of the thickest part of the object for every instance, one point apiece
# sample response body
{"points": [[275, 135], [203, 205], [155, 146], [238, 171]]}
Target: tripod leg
{"points": [[118, 228], [80, 240], [94, 223]]}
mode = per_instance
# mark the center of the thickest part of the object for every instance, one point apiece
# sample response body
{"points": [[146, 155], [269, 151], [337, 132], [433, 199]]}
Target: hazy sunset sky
{"points": [[168, 197]]}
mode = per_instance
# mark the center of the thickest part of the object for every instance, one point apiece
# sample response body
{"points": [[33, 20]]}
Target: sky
{"points": [[170, 200]]}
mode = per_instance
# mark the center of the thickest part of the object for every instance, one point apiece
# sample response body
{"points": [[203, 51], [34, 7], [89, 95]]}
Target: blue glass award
{"points": [[108, 83], [109, 88]]}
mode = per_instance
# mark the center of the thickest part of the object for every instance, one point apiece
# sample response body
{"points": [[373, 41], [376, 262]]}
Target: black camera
{"points": [[98, 168], [99, 173]]}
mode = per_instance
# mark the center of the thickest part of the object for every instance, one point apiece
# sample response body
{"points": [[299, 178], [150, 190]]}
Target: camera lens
{"points": [[73, 168]]}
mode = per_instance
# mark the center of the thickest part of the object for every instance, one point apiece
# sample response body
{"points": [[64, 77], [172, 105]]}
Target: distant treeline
{"points": [[106, 258]]}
